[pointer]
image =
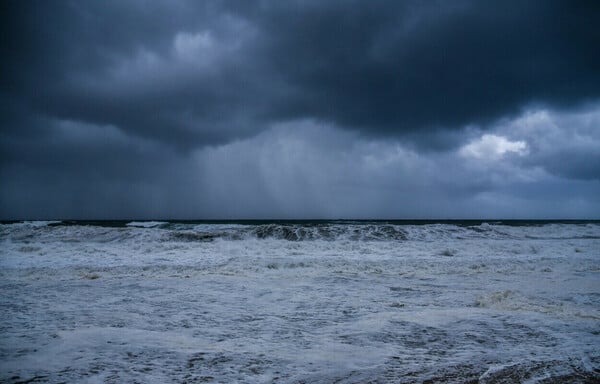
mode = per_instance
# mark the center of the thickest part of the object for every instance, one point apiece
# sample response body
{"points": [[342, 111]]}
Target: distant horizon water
{"points": [[400, 221]]}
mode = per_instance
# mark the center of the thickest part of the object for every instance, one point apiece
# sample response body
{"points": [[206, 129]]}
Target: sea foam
{"points": [[299, 302]]}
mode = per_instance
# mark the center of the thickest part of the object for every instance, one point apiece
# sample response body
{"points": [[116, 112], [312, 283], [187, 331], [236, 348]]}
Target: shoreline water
{"points": [[274, 302]]}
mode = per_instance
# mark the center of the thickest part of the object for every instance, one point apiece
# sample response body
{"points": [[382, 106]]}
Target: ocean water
{"points": [[300, 302]]}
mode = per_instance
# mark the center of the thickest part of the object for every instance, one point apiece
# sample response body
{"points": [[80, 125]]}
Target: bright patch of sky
{"points": [[493, 147]]}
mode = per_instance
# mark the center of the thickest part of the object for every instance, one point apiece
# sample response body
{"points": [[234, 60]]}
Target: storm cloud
{"points": [[213, 109]]}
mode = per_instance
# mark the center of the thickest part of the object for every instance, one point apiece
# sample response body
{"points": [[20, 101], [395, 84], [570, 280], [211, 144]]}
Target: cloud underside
{"points": [[539, 164], [299, 109]]}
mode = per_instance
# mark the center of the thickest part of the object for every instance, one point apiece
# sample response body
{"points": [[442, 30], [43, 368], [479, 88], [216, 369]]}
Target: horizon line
{"points": [[217, 220]]}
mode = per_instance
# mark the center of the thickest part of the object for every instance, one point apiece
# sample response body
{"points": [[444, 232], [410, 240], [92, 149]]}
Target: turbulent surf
{"points": [[300, 301]]}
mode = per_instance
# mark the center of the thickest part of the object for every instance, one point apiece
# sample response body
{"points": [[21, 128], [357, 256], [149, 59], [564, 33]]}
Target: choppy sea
{"points": [[300, 302]]}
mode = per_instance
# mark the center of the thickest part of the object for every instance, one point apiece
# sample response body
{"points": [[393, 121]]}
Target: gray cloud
{"points": [[304, 169], [564, 144], [192, 73], [299, 109]]}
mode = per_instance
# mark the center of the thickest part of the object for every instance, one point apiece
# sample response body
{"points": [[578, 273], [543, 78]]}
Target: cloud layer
{"points": [[299, 109]]}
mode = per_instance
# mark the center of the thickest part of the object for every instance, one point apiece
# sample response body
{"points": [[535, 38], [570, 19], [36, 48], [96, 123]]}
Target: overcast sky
{"points": [[299, 109]]}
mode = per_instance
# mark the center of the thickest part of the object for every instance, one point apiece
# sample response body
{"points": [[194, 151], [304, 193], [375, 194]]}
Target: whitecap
{"points": [[146, 224]]}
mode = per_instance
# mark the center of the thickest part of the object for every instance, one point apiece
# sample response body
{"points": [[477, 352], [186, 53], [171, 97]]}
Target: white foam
{"points": [[106, 304], [146, 224]]}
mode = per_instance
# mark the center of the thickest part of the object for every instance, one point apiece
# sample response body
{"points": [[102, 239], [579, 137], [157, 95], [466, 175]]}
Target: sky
{"points": [[212, 109]]}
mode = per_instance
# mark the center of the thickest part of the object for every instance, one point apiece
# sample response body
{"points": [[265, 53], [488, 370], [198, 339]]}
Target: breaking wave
{"points": [[300, 301], [147, 224], [308, 230]]}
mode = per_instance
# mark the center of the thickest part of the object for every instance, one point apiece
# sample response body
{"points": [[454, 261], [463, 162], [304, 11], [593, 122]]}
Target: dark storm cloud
{"points": [[381, 67], [59, 59], [404, 66], [298, 108]]}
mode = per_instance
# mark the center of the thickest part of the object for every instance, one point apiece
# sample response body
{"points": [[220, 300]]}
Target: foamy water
{"points": [[348, 302]]}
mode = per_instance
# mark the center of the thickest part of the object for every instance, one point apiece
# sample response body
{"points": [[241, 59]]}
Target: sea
{"points": [[339, 301]]}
